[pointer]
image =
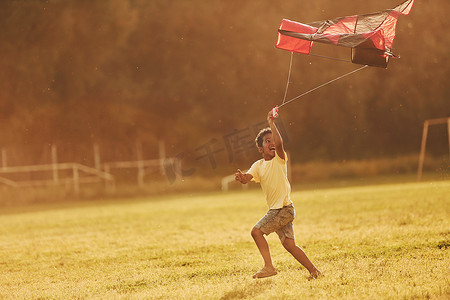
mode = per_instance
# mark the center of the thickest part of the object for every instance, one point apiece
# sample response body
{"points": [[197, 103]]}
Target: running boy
{"points": [[271, 173]]}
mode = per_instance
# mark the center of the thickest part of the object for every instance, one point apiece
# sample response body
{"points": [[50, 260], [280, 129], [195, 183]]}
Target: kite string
{"points": [[322, 85], [288, 79]]}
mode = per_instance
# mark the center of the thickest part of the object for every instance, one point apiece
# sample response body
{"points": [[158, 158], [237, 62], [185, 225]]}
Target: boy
{"points": [[271, 173]]}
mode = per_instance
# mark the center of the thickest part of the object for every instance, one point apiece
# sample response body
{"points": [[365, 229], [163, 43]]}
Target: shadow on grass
{"points": [[247, 290]]}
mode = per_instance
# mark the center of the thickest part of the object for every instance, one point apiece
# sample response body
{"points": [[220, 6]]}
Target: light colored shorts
{"points": [[279, 221]]}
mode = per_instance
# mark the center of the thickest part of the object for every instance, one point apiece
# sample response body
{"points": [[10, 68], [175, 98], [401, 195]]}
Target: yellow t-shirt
{"points": [[272, 175]]}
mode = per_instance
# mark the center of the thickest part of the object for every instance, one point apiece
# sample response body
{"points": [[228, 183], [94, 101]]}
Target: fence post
{"points": [[4, 163], [162, 156], [107, 170], [448, 134], [141, 171], [55, 164], [97, 161], [76, 179], [422, 150]]}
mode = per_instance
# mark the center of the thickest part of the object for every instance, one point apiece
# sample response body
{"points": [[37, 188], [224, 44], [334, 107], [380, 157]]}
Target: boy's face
{"points": [[268, 147]]}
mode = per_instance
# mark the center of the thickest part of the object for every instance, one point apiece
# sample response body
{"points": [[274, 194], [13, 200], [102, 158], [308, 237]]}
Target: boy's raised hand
{"points": [[273, 114]]}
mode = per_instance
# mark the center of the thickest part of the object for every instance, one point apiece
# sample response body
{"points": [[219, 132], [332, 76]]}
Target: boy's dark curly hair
{"points": [[260, 137]]}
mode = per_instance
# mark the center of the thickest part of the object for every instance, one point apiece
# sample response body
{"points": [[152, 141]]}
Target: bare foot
{"points": [[265, 272], [315, 275]]}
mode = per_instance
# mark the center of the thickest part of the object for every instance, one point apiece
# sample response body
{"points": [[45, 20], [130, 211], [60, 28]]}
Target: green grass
{"points": [[385, 241]]}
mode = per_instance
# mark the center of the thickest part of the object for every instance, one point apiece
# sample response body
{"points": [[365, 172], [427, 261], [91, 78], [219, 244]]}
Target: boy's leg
{"points": [[300, 256], [263, 246]]}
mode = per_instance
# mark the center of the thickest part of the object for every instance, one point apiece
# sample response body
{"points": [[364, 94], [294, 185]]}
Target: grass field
{"points": [[388, 241]]}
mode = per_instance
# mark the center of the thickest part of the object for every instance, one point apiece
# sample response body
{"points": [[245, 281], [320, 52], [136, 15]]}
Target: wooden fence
{"points": [[74, 174], [79, 174], [423, 145]]}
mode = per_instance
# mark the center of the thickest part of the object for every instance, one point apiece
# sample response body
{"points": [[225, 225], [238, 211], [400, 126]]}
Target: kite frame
{"points": [[404, 8]]}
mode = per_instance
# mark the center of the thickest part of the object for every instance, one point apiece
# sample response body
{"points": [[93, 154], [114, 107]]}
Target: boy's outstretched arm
{"points": [[278, 141], [242, 177]]}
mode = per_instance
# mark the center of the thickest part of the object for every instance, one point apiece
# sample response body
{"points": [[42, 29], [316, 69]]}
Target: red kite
{"points": [[370, 36]]}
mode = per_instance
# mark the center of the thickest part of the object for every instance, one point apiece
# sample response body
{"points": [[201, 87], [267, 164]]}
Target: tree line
{"points": [[188, 72]]}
